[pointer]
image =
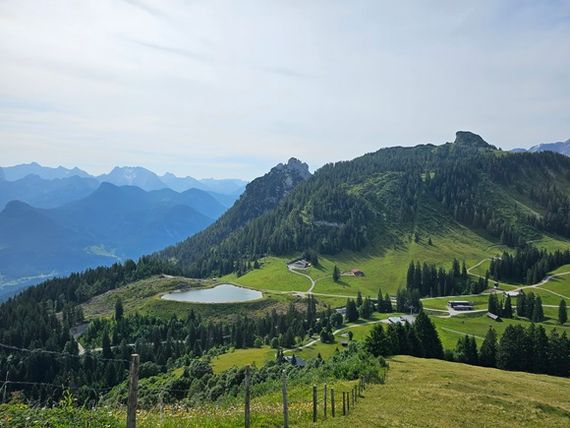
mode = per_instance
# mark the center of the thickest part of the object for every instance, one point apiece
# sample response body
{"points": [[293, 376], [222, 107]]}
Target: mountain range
{"points": [[562, 147], [54, 221]]}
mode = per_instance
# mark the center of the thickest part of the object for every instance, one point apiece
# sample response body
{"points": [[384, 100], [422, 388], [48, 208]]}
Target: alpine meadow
{"points": [[352, 263]]}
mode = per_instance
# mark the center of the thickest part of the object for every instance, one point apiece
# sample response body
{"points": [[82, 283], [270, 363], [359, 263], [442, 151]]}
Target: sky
{"points": [[231, 88]]}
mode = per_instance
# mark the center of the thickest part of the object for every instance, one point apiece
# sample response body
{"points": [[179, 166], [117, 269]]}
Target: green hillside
{"points": [[417, 393], [465, 200]]}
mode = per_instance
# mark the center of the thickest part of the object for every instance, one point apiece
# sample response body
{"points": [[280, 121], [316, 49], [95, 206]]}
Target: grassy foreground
{"points": [[417, 393]]}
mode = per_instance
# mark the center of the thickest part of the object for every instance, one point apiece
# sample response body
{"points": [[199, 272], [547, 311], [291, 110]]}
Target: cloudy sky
{"points": [[229, 88]]}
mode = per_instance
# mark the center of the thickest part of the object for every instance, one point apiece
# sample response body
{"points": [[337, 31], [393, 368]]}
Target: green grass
{"points": [[242, 357], [417, 393], [273, 275], [421, 392], [480, 301]]}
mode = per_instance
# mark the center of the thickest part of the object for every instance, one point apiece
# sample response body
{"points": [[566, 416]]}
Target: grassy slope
{"points": [[417, 393], [421, 393]]}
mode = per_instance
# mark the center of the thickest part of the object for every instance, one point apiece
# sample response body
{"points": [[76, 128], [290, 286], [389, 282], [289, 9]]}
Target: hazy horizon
{"points": [[227, 90]]}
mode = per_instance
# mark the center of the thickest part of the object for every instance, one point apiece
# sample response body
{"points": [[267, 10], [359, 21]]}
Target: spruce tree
{"points": [[336, 274], [562, 312], [488, 352], [428, 337], [351, 311], [388, 304], [493, 306], [537, 311], [119, 310], [521, 304], [508, 309], [377, 342]]}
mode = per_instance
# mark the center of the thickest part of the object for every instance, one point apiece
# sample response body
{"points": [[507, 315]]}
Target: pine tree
{"points": [[359, 299], [521, 304], [106, 346], [119, 310], [537, 311], [488, 352], [336, 274], [508, 309], [388, 304], [380, 302], [562, 312], [493, 306], [427, 335], [351, 311], [378, 342]]}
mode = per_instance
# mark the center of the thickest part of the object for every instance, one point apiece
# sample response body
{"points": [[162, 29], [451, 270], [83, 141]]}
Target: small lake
{"points": [[222, 293]]}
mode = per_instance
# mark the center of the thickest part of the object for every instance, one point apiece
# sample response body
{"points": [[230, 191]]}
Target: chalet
{"points": [[296, 361], [300, 264], [341, 311], [357, 272], [512, 293], [461, 305], [493, 316], [403, 319]]}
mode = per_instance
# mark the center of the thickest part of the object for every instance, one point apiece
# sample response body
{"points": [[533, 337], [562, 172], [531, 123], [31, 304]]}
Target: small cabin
{"points": [[493, 316], [296, 361], [512, 293], [461, 305], [300, 264], [357, 272]]}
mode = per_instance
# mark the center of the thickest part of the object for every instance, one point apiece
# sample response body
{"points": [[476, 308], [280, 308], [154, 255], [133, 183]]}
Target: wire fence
{"points": [[334, 403]]}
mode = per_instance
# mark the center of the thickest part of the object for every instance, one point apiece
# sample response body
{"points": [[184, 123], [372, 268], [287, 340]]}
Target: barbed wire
{"points": [[65, 354]]}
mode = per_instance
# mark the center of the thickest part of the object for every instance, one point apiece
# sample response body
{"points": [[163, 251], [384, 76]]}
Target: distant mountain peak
{"points": [[562, 147], [295, 166], [471, 139]]}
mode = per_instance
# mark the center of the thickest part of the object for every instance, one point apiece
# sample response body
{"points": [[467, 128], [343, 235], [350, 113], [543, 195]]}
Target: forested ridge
{"points": [[352, 205]]}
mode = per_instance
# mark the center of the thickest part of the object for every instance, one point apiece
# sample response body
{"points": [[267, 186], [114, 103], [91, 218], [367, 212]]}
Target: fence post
{"points": [[347, 402], [332, 401], [325, 400], [343, 403], [133, 390], [314, 403], [247, 398], [285, 402], [355, 393]]}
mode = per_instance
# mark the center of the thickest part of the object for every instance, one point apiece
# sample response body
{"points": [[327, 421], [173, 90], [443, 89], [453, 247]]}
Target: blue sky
{"points": [[230, 88]]}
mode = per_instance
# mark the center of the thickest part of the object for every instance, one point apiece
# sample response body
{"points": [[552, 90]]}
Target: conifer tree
{"points": [[507, 311], [351, 311], [537, 310], [562, 312], [119, 310], [336, 274], [493, 306], [388, 304], [427, 335], [488, 352]]}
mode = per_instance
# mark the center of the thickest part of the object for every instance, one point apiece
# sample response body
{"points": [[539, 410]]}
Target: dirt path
{"points": [[312, 342], [313, 281]]}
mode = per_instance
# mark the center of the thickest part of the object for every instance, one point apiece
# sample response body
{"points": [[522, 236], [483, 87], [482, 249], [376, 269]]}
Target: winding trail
{"points": [[312, 342], [297, 272]]}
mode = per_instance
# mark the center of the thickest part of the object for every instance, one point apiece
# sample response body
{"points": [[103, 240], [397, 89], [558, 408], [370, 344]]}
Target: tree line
{"points": [[521, 349]]}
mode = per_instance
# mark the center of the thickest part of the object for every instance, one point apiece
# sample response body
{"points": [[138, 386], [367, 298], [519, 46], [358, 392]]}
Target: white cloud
{"points": [[220, 88]]}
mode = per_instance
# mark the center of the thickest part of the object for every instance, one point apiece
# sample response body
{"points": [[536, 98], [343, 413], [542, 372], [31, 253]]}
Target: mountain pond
{"points": [[222, 293]]}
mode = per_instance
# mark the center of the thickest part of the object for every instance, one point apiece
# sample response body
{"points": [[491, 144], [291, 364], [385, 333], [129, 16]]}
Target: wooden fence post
{"points": [[332, 401], [347, 402], [343, 403], [247, 398], [133, 390], [325, 400], [355, 393], [285, 402], [314, 403]]}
